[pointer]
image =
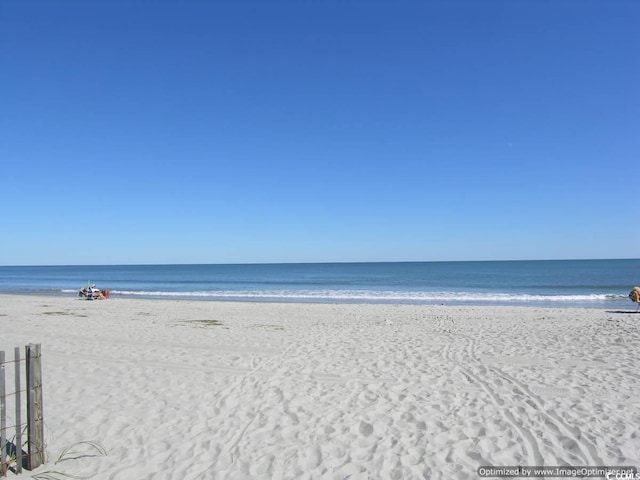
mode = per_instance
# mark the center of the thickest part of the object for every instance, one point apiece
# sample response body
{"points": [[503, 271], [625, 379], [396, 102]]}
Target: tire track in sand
{"points": [[530, 445], [586, 450]]}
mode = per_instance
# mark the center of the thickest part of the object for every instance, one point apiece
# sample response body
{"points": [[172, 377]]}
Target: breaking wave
{"points": [[372, 296]]}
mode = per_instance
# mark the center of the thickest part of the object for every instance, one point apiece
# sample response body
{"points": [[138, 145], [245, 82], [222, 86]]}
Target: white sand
{"points": [[329, 391]]}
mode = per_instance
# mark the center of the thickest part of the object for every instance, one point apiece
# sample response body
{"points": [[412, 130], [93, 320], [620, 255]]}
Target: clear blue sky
{"points": [[295, 131]]}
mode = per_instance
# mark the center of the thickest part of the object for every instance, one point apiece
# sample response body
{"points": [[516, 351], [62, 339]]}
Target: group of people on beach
{"points": [[90, 292]]}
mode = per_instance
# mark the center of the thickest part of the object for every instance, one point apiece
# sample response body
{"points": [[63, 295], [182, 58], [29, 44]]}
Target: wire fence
{"points": [[21, 436]]}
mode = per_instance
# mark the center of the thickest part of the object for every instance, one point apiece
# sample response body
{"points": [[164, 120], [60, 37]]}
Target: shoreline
{"points": [[619, 302], [321, 390]]}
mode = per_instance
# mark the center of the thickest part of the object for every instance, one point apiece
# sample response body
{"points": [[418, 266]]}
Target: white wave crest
{"points": [[373, 296]]}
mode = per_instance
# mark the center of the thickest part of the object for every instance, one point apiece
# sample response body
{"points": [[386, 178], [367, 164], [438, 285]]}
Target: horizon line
{"points": [[315, 263]]}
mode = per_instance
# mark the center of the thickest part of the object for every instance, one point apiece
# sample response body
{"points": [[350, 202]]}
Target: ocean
{"points": [[559, 283]]}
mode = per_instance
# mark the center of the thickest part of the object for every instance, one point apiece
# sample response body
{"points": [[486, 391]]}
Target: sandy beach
{"points": [[221, 390]]}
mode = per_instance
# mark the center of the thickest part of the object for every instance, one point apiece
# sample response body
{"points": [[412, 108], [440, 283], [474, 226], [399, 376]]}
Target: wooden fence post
{"points": [[34, 407], [18, 441], [4, 466]]}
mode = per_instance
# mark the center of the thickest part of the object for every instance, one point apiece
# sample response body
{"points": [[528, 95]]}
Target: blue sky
{"points": [[300, 131]]}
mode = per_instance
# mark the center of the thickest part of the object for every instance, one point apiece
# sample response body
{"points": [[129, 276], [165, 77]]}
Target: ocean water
{"points": [[586, 283]]}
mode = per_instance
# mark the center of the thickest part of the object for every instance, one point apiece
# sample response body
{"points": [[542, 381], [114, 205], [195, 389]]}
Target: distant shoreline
{"points": [[615, 305]]}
